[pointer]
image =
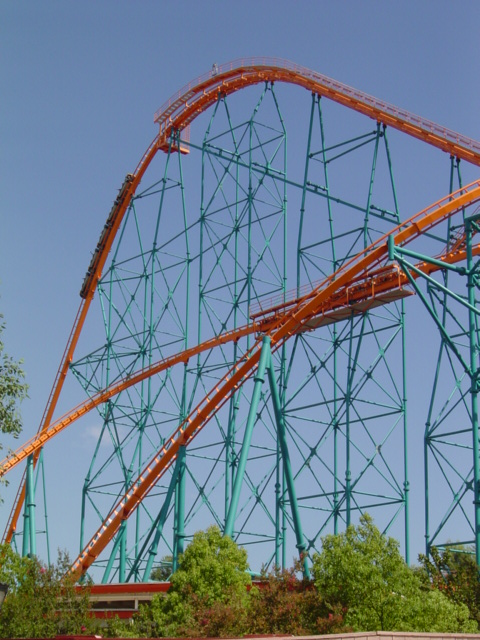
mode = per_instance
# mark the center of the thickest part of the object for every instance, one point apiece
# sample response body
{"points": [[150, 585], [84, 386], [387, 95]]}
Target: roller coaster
{"points": [[250, 368]]}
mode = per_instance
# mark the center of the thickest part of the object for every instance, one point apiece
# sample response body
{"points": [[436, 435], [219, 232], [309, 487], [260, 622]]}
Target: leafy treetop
{"points": [[13, 390], [211, 572], [363, 572]]}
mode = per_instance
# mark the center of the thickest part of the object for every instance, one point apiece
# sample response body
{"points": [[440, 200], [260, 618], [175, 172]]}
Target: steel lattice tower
{"points": [[246, 342]]}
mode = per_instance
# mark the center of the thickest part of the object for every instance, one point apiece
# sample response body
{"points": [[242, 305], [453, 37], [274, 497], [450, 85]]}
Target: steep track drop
{"points": [[291, 318]]}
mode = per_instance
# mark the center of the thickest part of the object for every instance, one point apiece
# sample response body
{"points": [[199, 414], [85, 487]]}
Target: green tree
{"points": [[433, 612], [284, 604], [13, 390], [454, 572], [41, 601], [209, 587], [362, 572], [162, 571]]}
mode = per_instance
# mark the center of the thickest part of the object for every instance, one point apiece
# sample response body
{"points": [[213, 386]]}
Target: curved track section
{"points": [[324, 299], [360, 294], [186, 299], [181, 109]]}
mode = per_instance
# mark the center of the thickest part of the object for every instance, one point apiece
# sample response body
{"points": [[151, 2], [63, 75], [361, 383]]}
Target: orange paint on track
{"points": [[282, 329], [357, 296], [177, 114]]}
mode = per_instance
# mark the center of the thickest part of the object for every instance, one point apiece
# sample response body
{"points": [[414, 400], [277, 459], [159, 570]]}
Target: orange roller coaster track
{"points": [[285, 327], [334, 293], [372, 287], [182, 108]]}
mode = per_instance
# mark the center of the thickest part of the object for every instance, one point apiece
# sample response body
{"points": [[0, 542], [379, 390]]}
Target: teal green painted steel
{"points": [[118, 549], [31, 507], [41, 470], [450, 296], [26, 521], [113, 556], [468, 365], [280, 422], [265, 366], [366, 228], [429, 460], [35, 503], [179, 526], [159, 524], [122, 571], [347, 347], [29, 529], [25, 540], [348, 407], [205, 242], [259, 379], [406, 482], [471, 227]]}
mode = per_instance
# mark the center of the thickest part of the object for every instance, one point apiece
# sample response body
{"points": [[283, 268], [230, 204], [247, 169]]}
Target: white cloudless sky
{"points": [[79, 84]]}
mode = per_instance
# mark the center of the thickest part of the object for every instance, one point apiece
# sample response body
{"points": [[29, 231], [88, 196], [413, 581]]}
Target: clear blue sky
{"points": [[80, 82]]}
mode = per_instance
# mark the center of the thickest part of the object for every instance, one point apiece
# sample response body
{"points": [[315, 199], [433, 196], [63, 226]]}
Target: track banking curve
{"points": [[182, 108], [362, 287], [177, 114], [319, 301]]}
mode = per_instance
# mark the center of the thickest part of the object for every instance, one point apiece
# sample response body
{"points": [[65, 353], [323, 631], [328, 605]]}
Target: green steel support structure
{"points": [[472, 227], [451, 437], [205, 245], [29, 529], [230, 226]]}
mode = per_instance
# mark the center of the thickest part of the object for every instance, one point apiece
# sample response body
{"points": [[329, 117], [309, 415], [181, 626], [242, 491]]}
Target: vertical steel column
{"points": [[348, 393], [474, 372], [335, 421], [304, 195], [287, 467], [406, 483], [280, 541], [47, 535], [29, 543], [123, 552], [162, 516], [366, 238], [179, 526], [113, 555], [429, 429], [247, 437]]}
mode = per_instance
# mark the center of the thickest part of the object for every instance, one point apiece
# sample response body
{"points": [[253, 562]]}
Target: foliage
{"points": [[140, 626], [12, 390], [285, 604], [218, 618], [210, 583], [360, 582], [454, 573], [363, 572], [211, 565], [41, 602], [162, 571], [433, 612]]}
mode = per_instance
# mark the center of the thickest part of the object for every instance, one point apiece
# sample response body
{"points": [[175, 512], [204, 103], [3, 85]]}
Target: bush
{"points": [[455, 574], [288, 605], [362, 572], [41, 601], [209, 586]]}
